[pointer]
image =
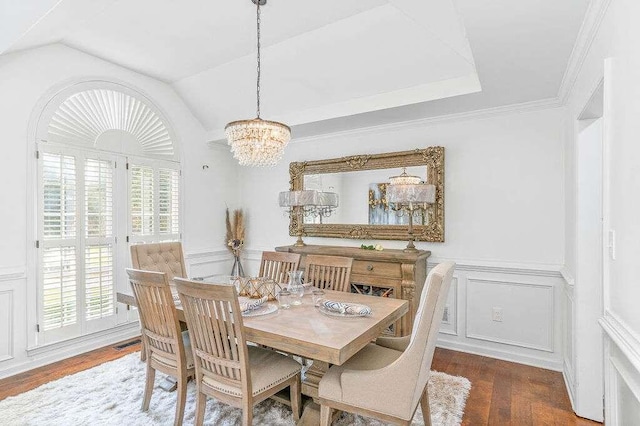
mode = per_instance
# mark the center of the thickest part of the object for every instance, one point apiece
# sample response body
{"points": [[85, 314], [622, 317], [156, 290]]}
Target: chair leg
{"points": [[325, 415], [424, 403], [143, 351], [201, 403], [247, 415], [181, 400], [148, 387], [296, 398]]}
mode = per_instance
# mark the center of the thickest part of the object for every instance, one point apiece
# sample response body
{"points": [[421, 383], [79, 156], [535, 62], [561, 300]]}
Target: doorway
{"points": [[588, 307]]}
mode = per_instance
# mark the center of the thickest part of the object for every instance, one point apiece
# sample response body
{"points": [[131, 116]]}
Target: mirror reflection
{"points": [[362, 196]]}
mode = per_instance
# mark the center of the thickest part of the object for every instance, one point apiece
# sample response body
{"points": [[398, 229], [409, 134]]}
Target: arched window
{"points": [[108, 176]]}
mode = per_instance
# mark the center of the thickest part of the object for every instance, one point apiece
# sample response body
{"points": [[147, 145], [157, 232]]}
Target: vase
{"points": [[295, 287], [236, 269]]}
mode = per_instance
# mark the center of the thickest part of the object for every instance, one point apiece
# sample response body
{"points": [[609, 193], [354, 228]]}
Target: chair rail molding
{"points": [[13, 273], [624, 337]]}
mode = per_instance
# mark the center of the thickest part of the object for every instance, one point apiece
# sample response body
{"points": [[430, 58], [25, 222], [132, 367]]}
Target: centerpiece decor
{"points": [[235, 240]]}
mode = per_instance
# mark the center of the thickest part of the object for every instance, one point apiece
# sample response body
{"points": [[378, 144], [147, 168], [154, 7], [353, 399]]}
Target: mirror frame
{"points": [[432, 157]]}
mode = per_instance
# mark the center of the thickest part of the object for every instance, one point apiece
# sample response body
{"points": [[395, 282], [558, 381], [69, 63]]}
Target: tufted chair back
{"points": [[159, 257]]}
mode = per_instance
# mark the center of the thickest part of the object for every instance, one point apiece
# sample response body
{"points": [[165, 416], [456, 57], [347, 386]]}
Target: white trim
{"points": [[480, 114], [505, 355], [568, 277], [63, 350], [470, 265], [627, 376], [623, 336], [13, 273], [218, 254], [10, 326], [550, 332], [587, 34], [453, 329], [567, 375], [207, 257], [497, 267]]}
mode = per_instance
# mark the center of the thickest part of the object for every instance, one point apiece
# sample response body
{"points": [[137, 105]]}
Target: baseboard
{"points": [[567, 375], [518, 358], [42, 356]]}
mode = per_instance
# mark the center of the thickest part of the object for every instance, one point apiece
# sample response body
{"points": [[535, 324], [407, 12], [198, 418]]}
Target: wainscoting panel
{"points": [[622, 372], [528, 300], [526, 313], [450, 316], [6, 325]]}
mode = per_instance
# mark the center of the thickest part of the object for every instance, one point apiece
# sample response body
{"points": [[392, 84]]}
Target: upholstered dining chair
{"points": [[277, 265], [388, 379], [328, 272], [167, 347], [226, 368], [160, 257]]}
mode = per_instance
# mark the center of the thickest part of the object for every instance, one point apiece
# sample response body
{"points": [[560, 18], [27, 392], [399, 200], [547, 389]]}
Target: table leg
{"points": [[312, 378], [311, 412]]}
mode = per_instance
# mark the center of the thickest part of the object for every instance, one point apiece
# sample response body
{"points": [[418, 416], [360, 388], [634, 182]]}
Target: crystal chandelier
{"points": [[257, 142]]}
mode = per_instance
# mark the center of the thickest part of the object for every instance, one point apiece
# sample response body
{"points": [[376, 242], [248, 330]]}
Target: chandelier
{"points": [[257, 142], [407, 195]]}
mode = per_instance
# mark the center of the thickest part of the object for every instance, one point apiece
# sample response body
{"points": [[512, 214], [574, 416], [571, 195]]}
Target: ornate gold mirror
{"points": [[360, 182]]}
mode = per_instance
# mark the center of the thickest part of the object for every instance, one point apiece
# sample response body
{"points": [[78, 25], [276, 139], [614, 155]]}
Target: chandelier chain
{"points": [[258, 66]]}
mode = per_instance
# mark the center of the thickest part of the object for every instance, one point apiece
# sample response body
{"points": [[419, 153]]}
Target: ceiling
{"points": [[329, 65]]}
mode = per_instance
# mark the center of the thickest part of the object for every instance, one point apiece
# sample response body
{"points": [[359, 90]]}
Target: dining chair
{"points": [[328, 272], [167, 347], [277, 265], [226, 368], [388, 379], [160, 257]]}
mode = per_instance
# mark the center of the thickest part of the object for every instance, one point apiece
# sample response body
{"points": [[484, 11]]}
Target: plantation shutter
{"points": [[168, 202], [99, 239], [58, 230], [154, 202], [77, 261]]}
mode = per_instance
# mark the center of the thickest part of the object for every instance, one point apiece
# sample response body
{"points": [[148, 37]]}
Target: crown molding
{"points": [[587, 34], [542, 104]]}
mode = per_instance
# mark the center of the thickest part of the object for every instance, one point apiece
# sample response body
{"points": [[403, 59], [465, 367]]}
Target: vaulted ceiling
{"points": [[330, 63]]}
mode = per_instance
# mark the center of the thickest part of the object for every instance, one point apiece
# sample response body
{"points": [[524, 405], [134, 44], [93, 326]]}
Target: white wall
{"points": [[504, 222], [618, 38], [27, 77]]}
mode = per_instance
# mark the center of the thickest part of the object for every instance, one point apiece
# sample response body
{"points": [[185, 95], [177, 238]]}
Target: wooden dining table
{"points": [[305, 331]]}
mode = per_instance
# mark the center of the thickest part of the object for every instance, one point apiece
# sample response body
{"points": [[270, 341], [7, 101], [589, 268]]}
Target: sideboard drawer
{"points": [[378, 269]]}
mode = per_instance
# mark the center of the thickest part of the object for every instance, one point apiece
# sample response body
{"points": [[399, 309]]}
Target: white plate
{"points": [[265, 309], [331, 313]]}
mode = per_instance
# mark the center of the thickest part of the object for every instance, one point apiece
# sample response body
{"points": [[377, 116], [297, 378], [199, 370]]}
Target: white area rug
{"points": [[111, 394]]}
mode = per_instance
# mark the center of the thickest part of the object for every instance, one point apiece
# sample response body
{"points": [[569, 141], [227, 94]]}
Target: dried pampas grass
{"points": [[235, 231]]}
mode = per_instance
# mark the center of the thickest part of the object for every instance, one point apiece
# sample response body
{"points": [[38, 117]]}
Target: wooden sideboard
{"points": [[388, 273]]}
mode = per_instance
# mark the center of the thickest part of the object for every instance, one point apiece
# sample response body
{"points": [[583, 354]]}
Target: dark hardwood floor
{"points": [[502, 393]]}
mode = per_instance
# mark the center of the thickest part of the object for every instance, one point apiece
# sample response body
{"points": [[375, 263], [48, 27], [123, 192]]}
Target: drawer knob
{"points": [[369, 267]]}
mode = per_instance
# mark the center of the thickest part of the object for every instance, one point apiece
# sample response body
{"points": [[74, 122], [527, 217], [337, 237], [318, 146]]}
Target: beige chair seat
{"points": [[268, 369], [371, 357], [388, 380], [188, 352]]}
